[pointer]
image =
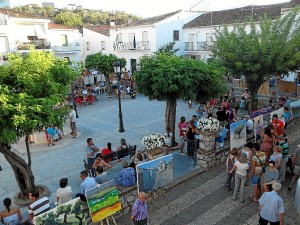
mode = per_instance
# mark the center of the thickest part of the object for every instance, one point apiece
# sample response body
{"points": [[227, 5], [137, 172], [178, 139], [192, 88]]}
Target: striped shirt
{"points": [[285, 149], [39, 206]]}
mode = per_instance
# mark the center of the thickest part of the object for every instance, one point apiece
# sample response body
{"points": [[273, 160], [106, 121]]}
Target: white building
{"points": [[19, 32], [199, 33], [146, 36], [97, 39], [66, 42]]}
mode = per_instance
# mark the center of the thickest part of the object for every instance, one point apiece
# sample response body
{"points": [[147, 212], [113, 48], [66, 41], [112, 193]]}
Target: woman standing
{"points": [[10, 216], [168, 137], [229, 167], [277, 156], [271, 175], [267, 145], [240, 166], [190, 135]]}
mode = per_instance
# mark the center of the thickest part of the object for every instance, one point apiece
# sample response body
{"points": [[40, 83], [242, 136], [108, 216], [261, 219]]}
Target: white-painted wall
{"points": [[94, 39]]}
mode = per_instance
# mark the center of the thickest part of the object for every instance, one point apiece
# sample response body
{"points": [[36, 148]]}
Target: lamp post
{"points": [[117, 70]]}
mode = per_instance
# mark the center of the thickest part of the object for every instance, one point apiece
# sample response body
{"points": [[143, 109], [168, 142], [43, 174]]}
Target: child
{"points": [[168, 137], [287, 116], [242, 103]]}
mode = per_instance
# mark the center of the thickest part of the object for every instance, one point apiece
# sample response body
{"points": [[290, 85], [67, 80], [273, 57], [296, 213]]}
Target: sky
{"points": [[149, 8]]}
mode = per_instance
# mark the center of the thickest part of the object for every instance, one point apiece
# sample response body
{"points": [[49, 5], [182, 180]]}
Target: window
{"points": [[64, 39], [145, 36], [88, 46], [103, 45], [208, 37], [175, 35]]}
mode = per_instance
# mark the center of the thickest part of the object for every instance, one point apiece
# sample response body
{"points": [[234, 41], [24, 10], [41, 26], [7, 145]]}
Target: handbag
{"points": [[263, 167]]}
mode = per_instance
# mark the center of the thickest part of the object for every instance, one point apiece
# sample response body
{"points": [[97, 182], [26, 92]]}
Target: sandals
{"points": [[252, 200]]}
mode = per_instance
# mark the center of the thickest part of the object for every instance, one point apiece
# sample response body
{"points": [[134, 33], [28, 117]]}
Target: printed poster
{"points": [[238, 134]]}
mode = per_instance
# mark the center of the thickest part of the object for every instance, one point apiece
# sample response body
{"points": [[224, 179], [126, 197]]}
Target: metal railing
{"points": [[138, 45], [199, 46]]}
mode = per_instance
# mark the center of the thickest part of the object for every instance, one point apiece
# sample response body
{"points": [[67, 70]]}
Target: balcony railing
{"points": [[124, 46], [66, 49], [199, 46], [36, 44]]}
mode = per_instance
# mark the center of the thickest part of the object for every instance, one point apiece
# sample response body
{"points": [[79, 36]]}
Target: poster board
{"points": [[103, 201], [237, 134], [70, 211], [279, 112], [155, 174], [258, 125], [295, 109]]}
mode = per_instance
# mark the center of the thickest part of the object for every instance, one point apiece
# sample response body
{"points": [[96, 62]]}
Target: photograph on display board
{"points": [[279, 112], [258, 125], [103, 201], [237, 134], [70, 213], [155, 174], [295, 109]]}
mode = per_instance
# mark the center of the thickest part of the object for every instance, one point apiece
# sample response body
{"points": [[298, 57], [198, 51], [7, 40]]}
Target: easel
{"points": [[107, 221]]}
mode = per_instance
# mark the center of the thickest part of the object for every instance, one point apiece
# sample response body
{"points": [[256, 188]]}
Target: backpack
{"points": [[230, 163]]}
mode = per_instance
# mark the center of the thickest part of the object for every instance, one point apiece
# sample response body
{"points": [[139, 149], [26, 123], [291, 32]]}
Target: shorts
{"points": [[182, 140], [296, 170], [73, 125], [255, 179]]}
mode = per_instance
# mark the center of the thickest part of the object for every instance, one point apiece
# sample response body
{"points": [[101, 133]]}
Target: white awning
{"points": [[40, 33]]}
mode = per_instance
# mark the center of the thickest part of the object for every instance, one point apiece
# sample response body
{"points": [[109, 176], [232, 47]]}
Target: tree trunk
{"points": [[22, 170], [108, 84], [170, 117]]}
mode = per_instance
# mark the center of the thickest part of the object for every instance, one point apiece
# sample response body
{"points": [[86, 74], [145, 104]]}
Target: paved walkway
{"points": [[99, 121]]}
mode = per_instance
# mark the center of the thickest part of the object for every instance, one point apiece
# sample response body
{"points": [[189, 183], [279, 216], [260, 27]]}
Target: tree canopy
{"points": [[77, 17], [259, 49], [32, 90], [166, 77]]}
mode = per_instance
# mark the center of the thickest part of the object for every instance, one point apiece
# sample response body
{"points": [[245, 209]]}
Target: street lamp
{"points": [[117, 70]]}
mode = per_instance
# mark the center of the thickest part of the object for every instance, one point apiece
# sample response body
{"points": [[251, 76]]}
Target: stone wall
{"points": [[206, 150]]}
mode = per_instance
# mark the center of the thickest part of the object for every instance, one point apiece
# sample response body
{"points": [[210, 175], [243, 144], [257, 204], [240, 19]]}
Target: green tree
{"points": [[165, 77], [168, 49], [68, 18], [104, 64], [268, 47], [31, 93]]}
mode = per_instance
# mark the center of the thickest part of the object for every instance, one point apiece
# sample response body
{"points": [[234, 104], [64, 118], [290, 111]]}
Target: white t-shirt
{"points": [[73, 116], [168, 139], [63, 195], [250, 124], [241, 168]]}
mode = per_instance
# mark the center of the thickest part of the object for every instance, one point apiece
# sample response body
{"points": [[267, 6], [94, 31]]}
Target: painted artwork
{"points": [[103, 201], [237, 134], [258, 125], [70, 213], [279, 112], [155, 173], [295, 109]]}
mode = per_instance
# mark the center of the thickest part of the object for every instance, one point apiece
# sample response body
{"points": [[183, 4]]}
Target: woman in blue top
{"points": [[271, 175]]}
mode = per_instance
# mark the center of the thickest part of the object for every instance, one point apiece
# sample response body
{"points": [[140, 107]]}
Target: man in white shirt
{"points": [[73, 122], [249, 125]]}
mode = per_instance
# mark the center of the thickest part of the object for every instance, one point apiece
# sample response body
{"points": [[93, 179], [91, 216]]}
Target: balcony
{"points": [[69, 49], [135, 46], [36, 44], [199, 46]]}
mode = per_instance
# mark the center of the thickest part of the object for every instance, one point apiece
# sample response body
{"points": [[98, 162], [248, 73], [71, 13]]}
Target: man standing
{"points": [[296, 166], [38, 206], [277, 124], [91, 152], [73, 122], [271, 207], [249, 125], [285, 156], [139, 214]]}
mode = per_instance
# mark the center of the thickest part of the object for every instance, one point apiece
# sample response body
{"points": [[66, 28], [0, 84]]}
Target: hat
{"points": [[272, 162]]}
